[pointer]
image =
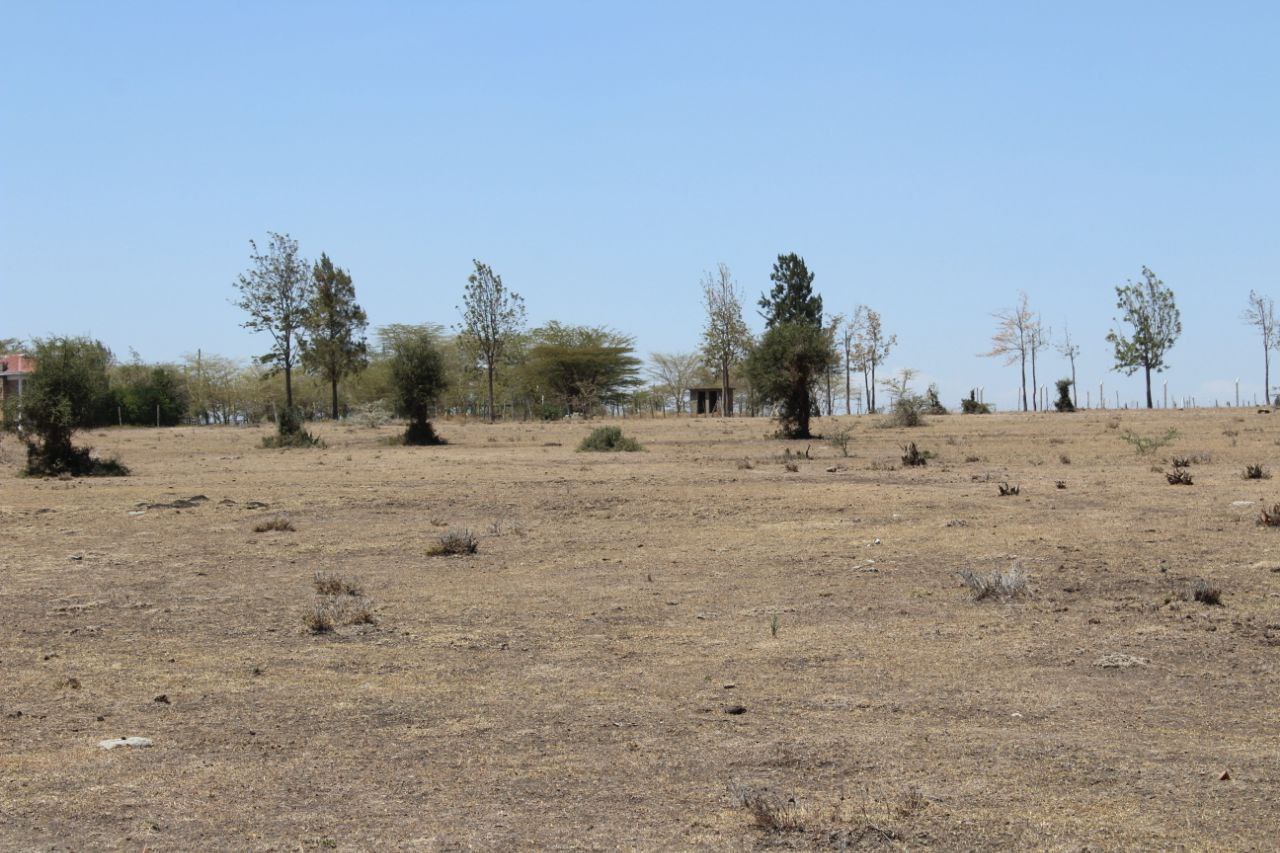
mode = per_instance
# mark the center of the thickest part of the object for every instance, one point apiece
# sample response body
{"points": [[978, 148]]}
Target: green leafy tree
{"points": [[150, 394], [275, 292], [69, 391], [335, 324], [491, 317], [795, 351], [418, 379], [582, 368], [1148, 307], [784, 368], [725, 338], [791, 300]]}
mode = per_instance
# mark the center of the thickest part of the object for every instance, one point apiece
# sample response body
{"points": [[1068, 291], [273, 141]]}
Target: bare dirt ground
{"points": [[572, 684]]}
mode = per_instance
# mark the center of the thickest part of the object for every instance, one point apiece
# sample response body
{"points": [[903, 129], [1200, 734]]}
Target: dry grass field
{"points": [[659, 650]]}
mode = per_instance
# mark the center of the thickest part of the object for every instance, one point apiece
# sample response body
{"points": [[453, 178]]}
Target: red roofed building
{"points": [[14, 371]]}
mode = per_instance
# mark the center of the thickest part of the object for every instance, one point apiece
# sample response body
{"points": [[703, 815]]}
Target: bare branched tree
{"points": [[1261, 314], [674, 372], [1070, 350], [1037, 339], [871, 348], [1012, 340], [725, 338]]}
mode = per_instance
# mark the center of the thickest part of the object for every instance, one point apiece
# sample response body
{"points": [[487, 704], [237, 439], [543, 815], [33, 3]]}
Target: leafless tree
{"points": [[1012, 340], [725, 337], [674, 373], [1261, 314], [1037, 339], [492, 316], [871, 348], [1070, 350]]}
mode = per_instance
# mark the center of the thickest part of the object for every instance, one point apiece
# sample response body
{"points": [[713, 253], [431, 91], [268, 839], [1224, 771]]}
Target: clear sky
{"points": [[929, 159]]}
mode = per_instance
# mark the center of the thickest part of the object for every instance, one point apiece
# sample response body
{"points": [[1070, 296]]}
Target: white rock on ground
{"points": [[124, 741]]}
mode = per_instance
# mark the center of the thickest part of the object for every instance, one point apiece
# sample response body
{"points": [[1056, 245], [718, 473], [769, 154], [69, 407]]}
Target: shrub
{"points": [[327, 583], [319, 619], [1205, 592], [840, 438], [69, 391], [912, 457], [783, 368], [275, 523], [1064, 402], [455, 543], [1001, 585], [791, 467], [1145, 444], [1256, 472], [1180, 477], [745, 464], [971, 406], [908, 411], [1007, 490], [932, 405], [418, 378], [1180, 462], [1269, 517], [609, 439]]}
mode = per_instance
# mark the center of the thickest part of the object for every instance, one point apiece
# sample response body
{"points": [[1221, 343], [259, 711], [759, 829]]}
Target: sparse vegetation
{"points": [[1256, 472], [839, 438], [327, 583], [609, 439], [1180, 477], [1269, 517], [1007, 490], [1145, 445], [339, 601]]}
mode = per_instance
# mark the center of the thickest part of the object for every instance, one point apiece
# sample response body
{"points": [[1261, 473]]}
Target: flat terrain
{"points": [[572, 684]]}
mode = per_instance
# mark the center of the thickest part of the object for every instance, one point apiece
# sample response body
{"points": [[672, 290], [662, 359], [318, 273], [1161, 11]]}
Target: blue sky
{"points": [[929, 159]]}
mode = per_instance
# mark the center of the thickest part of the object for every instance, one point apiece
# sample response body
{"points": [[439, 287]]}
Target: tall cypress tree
{"points": [[335, 345], [792, 299]]}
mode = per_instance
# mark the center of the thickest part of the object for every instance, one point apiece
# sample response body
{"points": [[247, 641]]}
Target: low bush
{"points": [[609, 439], [455, 543], [1256, 472], [278, 523], [1007, 490], [1001, 585], [912, 457], [1180, 477], [1205, 592]]}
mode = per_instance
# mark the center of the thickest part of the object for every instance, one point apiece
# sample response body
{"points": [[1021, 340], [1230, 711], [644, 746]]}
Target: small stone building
{"points": [[706, 401]]}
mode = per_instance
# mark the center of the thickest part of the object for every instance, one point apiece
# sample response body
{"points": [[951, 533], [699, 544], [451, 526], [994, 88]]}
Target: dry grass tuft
{"points": [[999, 585], [1256, 472], [1180, 477], [1269, 517], [1205, 592], [1007, 490], [455, 543], [277, 523], [327, 583]]}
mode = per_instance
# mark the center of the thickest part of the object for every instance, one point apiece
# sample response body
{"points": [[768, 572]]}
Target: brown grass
{"points": [[566, 688]]}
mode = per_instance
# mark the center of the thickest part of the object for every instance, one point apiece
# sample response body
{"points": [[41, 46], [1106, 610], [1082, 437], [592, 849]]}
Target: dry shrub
{"points": [[1269, 517], [1180, 477], [1205, 592], [1007, 490], [791, 467], [1256, 472], [277, 523], [327, 583], [912, 457], [455, 543], [999, 585], [745, 464]]}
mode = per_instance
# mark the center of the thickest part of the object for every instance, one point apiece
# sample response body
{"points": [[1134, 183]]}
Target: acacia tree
{"points": [[675, 372], [1012, 340], [725, 338], [491, 317], [870, 348], [275, 292], [1149, 308], [335, 345], [1070, 351], [1261, 314]]}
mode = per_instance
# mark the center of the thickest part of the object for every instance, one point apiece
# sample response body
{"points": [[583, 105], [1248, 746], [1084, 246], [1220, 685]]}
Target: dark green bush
{"points": [[609, 439]]}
